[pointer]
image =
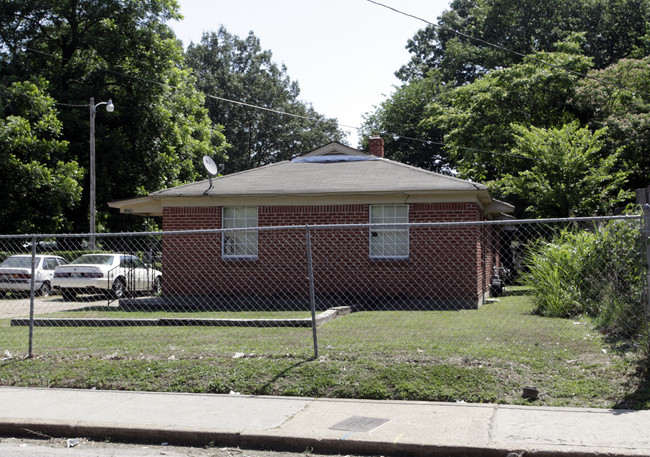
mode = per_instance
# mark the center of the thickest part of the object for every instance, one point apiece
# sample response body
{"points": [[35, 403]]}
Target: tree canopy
{"points": [[563, 173], [162, 124], [37, 183], [493, 67], [399, 120], [478, 117], [459, 44], [118, 49], [233, 68], [623, 107]]}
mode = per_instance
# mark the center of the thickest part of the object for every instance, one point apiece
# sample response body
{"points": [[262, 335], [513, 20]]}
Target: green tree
{"points": [[230, 67], [443, 50], [119, 49], [625, 113], [37, 183], [478, 117], [398, 121], [613, 29], [563, 173]]}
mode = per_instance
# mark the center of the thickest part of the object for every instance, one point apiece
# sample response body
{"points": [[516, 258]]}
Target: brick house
{"points": [[335, 184]]}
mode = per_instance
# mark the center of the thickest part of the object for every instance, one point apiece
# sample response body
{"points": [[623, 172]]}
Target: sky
{"points": [[342, 53]]}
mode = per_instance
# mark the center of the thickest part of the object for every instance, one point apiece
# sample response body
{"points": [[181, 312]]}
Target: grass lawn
{"points": [[485, 355]]}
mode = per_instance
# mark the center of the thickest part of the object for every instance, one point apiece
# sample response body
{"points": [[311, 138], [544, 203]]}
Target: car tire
{"points": [[45, 289], [118, 290], [157, 286], [68, 294]]}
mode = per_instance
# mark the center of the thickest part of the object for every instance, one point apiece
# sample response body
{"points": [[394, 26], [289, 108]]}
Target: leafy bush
{"points": [[598, 273], [554, 272]]}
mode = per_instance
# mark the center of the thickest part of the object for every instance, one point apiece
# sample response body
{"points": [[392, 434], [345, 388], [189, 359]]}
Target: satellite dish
{"points": [[212, 168], [210, 165]]}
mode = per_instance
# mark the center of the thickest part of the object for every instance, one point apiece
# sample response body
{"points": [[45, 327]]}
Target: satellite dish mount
{"points": [[212, 168]]}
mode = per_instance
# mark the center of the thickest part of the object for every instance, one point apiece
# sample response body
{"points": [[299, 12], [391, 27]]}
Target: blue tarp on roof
{"points": [[334, 158]]}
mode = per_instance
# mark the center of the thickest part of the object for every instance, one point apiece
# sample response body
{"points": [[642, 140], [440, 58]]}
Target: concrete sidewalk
{"points": [[324, 425]]}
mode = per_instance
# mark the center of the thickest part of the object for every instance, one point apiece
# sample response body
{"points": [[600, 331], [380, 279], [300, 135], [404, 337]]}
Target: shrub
{"points": [[598, 273], [618, 285], [555, 271]]}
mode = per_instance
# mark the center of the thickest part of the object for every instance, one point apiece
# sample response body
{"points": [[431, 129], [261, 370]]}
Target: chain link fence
{"points": [[446, 291]]}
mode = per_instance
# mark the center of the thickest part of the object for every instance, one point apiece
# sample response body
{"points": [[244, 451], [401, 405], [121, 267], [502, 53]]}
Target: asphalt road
{"points": [[81, 447]]}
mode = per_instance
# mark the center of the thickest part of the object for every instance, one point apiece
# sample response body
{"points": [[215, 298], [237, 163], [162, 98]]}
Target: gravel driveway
{"points": [[19, 307]]}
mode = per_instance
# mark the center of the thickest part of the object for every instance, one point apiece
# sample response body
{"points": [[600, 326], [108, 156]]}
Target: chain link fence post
{"points": [[312, 298], [31, 299], [646, 235]]}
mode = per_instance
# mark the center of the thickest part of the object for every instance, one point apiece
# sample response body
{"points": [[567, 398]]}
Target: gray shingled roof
{"points": [[330, 171], [339, 177]]}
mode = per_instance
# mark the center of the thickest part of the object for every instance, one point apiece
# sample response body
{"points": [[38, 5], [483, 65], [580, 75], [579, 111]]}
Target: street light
{"points": [[93, 109]]}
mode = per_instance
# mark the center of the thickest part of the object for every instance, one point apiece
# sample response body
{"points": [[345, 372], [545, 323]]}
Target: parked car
{"points": [[112, 274], [42, 246], [16, 273]]}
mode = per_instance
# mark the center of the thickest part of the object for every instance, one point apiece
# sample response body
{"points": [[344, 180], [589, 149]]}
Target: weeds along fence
{"points": [[463, 291]]}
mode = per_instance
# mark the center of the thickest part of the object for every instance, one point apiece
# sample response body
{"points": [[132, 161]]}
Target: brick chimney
{"points": [[376, 145]]}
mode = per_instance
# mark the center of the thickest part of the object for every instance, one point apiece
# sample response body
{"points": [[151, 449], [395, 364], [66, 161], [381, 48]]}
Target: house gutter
{"points": [[153, 205]]}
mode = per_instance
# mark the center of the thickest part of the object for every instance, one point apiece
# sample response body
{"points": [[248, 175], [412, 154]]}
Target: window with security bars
{"points": [[389, 242], [239, 244]]}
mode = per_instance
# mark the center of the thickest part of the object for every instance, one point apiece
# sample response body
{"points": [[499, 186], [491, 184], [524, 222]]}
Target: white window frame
{"points": [[240, 244], [378, 246]]}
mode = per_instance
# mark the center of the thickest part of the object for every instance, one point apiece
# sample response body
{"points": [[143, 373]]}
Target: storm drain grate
{"points": [[359, 424]]}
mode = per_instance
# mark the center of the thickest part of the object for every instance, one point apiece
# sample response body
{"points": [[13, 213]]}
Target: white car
{"points": [[16, 273], [112, 274]]}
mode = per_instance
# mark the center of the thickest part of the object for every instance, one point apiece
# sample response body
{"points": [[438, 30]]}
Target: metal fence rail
{"points": [[451, 291]]}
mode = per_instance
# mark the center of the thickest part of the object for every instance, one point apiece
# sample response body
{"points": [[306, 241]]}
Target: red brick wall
{"points": [[190, 262], [446, 263]]}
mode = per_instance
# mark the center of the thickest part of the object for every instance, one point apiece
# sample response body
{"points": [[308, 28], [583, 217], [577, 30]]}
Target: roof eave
{"points": [[497, 207], [153, 204], [142, 206]]}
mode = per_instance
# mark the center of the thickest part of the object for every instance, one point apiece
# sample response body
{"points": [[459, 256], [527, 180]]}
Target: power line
{"points": [[72, 106], [249, 105], [438, 143], [503, 48], [215, 97], [485, 151]]}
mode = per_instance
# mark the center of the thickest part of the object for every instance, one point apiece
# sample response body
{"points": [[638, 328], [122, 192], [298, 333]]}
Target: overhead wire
{"points": [[170, 86], [72, 106], [519, 54], [438, 143], [504, 48], [463, 148], [493, 153], [315, 119]]}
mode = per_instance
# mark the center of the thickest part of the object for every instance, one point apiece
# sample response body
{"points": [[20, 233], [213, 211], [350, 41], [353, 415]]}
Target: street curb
{"points": [[261, 441], [99, 432]]}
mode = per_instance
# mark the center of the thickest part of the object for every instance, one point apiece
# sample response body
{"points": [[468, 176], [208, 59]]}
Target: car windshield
{"points": [[93, 259], [18, 262]]}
